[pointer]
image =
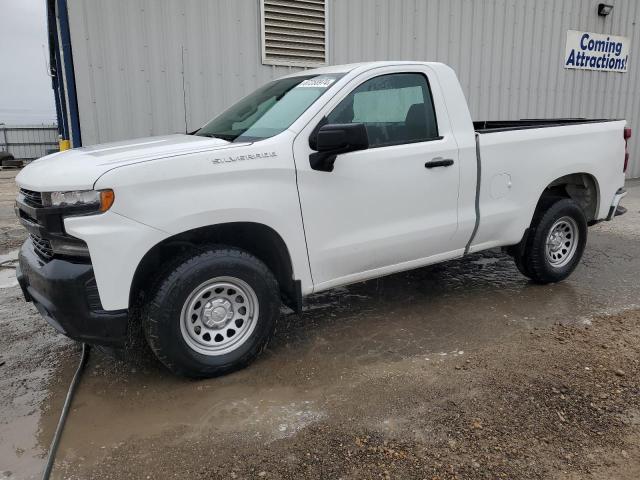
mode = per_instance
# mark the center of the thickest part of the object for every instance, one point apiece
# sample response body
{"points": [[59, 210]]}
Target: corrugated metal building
{"points": [[28, 142], [148, 67]]}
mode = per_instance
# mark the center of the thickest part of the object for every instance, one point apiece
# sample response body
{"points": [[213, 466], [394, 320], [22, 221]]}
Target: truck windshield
{"points": [[269, 110]]}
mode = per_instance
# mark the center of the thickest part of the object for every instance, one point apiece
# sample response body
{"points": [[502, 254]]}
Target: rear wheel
{"points": [[555, 243], [212, 313]]}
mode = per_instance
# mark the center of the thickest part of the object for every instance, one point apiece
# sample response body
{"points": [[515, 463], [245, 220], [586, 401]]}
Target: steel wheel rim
{"points": [[562, 242], [219, 316]]}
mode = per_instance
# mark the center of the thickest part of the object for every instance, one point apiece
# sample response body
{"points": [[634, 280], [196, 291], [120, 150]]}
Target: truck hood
{"points": [[78, 169]]}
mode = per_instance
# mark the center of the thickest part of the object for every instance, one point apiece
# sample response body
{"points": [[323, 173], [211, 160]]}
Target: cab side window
{"points": [[395, 109]]}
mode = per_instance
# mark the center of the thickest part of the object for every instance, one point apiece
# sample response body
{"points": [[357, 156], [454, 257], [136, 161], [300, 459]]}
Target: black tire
{"points": [[163, 315], [534, 262]]}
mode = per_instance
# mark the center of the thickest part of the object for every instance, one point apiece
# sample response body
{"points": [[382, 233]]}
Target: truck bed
{"points": [[517, 165], [488, 126]]}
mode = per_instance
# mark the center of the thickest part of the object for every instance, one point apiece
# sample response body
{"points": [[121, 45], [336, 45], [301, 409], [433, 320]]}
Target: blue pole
{"points": [[69, 75]]}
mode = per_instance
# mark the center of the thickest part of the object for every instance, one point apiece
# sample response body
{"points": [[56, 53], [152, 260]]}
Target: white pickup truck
{"points": [[322, 178]]}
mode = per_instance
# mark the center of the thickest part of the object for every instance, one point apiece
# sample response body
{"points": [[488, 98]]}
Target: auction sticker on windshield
{"points": [[318, 82]]}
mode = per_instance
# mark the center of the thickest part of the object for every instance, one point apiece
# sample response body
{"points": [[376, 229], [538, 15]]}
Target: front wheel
{"points": [[212, 313], [555, 243]]}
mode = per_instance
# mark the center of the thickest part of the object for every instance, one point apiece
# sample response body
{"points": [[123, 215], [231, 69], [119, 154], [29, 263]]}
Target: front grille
{"points": [[27, 217], [42, 246], [31, 198]]}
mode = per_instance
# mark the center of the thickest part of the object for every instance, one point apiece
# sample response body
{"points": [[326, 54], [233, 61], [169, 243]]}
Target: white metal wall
{"points": [[130, 55], [148, 67]]}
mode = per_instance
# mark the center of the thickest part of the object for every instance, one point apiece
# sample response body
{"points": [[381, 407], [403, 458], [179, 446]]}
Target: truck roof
{"points": [[346, 68]]}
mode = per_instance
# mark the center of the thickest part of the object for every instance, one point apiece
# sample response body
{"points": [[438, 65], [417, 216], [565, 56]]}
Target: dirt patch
{"points": [[560, 402]]}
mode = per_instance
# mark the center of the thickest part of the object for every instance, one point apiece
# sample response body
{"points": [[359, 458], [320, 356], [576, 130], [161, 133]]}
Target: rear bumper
{"points": [[65, 294], [615, 208]]}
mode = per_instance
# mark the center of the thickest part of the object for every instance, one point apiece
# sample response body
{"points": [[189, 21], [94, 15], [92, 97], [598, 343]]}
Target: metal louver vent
{"points": [[294, 32]]}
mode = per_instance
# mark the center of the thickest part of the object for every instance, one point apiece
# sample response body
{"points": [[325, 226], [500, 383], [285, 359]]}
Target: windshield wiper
{"points": [[228, 138]]}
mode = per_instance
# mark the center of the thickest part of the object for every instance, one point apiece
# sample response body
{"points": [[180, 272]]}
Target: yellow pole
{"points": [[64, 144]]}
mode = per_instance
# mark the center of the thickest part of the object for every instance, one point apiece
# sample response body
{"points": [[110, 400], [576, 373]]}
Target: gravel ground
{"points": [[459, 371], [559, 403]]}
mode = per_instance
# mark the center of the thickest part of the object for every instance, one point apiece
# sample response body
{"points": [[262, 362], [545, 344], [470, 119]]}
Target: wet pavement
{"points": [[11, 232], [331, 363]]}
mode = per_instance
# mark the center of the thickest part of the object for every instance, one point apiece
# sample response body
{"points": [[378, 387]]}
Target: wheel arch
{"points": [[582, 187], [257, 239]]}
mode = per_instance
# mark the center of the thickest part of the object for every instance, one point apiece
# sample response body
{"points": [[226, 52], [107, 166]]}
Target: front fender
{"points": [[178, 194]]}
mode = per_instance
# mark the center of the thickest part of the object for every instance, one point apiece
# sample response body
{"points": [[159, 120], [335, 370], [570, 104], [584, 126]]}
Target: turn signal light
{"points": [[106, 199]]}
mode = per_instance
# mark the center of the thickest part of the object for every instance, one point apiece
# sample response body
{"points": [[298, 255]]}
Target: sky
{"points": [[26, 96]]}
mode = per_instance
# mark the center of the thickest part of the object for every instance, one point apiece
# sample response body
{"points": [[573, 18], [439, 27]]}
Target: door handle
{"points": [[439, 162]]}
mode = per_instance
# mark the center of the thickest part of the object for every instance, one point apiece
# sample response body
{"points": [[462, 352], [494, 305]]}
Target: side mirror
{"points": [[333, 139]]}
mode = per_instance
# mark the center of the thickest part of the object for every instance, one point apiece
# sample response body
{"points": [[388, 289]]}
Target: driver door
{"points": [[382, 209]]}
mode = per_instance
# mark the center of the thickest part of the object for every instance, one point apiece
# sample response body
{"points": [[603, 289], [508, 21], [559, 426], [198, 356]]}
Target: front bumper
{"points": [[66, 295]]}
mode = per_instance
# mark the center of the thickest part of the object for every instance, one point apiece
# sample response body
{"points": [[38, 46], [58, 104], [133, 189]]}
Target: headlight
{"points": [[101, 199]]}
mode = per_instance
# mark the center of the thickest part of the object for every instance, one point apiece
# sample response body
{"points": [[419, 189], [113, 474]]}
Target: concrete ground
{"points": [[460, 370]]}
